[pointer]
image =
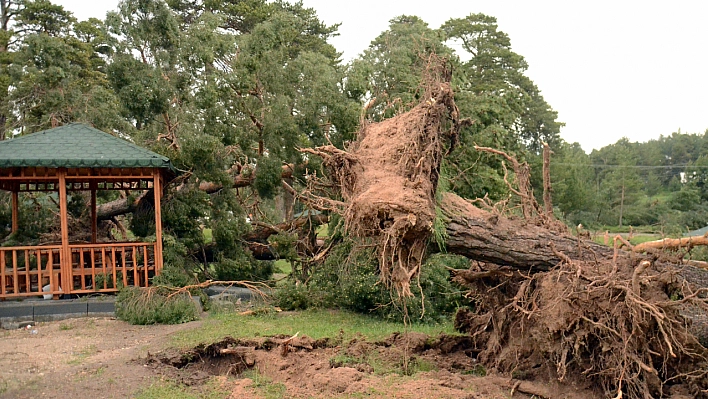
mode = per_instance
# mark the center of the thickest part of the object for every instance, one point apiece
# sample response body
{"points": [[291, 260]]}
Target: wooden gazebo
{"points": [[66, 159]]}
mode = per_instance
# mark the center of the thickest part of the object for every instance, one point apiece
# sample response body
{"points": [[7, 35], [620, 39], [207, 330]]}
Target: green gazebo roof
{"points": [[77, 146]]}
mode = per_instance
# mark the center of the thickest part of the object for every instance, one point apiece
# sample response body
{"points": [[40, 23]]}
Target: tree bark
{"points": [[480, 235], [122, 206], [483, 236]]}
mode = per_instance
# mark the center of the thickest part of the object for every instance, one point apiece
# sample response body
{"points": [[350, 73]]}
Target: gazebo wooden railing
{"points": [[78, 158], [94, 268]]}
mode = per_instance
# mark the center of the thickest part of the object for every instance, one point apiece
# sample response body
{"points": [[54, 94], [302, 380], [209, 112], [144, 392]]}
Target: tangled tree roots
{"points": [[548, 303], [619, 326], [389, 176]]}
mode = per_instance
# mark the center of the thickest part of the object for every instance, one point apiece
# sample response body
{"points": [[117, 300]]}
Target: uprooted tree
{"points": [[547, 303]]}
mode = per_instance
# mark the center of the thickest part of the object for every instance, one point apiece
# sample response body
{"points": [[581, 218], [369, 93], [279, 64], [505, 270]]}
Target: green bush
{"points": [[154, 306], [245, 268], [293, 295], [349, 279]]}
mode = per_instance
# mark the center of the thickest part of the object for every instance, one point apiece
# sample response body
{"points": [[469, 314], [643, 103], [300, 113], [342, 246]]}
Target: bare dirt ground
{"points": [[106, 358], [79, 358]]}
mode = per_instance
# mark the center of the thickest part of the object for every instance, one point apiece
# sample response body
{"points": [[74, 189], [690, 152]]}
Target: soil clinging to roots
{"points": [[622, 327], [546, 303], [388, 178]]}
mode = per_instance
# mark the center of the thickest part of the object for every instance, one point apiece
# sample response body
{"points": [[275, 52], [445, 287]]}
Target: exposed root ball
{"points": [[618, 328], [388, 178]]}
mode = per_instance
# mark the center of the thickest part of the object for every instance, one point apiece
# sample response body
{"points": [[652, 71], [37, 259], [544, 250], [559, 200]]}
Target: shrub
{"points": [[293, 296], [243, 268], [154, 306], [349, 279]]}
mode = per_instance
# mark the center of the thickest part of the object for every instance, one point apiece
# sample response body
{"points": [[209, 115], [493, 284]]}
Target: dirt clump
{"points": [[388, 178], [614, 326], [336, 380], [375, 369]]}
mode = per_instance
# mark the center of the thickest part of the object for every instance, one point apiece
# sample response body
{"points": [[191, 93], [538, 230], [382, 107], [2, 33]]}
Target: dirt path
{"points": [[79, 358]]}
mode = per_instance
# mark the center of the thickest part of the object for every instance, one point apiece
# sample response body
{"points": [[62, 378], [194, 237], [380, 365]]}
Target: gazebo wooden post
{"points": [[94, 218], [157, 188], [15, 214], [66, 283]]}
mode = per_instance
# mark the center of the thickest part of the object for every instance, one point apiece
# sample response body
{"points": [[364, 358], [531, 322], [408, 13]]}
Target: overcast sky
{"points": [[616, 68]]}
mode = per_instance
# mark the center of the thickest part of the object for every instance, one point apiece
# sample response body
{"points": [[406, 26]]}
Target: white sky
{"points": [[617, 68]]}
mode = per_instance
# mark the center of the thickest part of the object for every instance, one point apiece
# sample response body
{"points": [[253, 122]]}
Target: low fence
{"points": [[37, 270]]}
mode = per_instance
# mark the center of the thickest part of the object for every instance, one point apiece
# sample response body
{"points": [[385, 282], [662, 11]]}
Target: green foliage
{"points": [[181, 217], [268, 171], [284, 245], [349, 280], [154, 306], [391, 70], [245, 268], [658, 183], [36, 217], [105, 280], [174, 274], [685, 200]]}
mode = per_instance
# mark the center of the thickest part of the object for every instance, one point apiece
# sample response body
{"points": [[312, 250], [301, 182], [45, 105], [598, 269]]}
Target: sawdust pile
{"points": [[388, 178]]}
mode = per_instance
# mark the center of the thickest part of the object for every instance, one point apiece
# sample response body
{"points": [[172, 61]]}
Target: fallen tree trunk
{"points": [[514, 243], [124, 206], [484, 236]]}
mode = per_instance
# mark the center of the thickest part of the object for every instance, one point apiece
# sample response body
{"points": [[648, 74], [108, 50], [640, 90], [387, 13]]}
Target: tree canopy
{"points": [[231, 90]]}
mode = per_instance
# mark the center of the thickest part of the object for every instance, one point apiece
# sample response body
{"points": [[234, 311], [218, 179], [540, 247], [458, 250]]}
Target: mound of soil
{"points": [[328, 368]]}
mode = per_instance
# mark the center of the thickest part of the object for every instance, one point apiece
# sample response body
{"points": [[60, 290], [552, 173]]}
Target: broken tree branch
{"points": [[672, 244]]}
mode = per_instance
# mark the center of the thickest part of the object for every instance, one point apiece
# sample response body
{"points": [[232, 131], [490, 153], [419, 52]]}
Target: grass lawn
{"points": [[313, 323], [283, 266]]}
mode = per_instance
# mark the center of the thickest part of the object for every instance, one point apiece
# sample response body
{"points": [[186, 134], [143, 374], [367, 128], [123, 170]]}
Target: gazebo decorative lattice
{"points": [[77, 157]]}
